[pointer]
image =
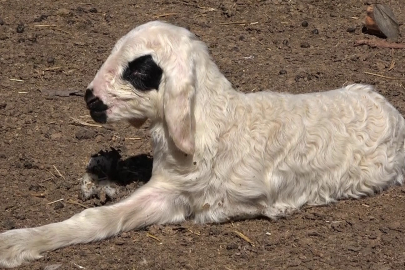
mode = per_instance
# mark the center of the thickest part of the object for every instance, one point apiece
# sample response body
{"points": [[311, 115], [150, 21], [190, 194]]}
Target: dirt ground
{"points": [[50, 50]]}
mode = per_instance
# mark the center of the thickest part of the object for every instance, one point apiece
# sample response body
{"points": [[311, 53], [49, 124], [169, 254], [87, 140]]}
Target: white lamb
{"points": [[220, 154]]}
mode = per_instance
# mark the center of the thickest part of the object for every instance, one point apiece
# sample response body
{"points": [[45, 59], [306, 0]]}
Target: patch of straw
{"points": [[244, 237]]}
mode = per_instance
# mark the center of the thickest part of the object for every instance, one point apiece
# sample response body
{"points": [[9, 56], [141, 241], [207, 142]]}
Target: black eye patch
{"points": [[143, 73]]}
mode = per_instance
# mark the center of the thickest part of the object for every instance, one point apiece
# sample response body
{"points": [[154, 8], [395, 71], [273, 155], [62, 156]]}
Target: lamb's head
{"points": [[150, 73]]}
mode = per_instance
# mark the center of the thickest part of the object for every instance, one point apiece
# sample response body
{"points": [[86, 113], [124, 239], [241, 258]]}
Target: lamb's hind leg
{"points": [[148, 205]]}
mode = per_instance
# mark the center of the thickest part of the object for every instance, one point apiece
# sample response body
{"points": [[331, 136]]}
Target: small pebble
{"points": [[354, 248], [231, 246], [351, 29], [80, 10], [40, 18], [52, 266], [294, 263], [384, 229], [20, 28], [313, 233], [58, 205], [214, 231], [63, 12], [108, 17], [93, 10], [282, 72], [99, 138], [56, 136], [85, 134], [8, 224], [50, 60], [315, 31], [28, 164], [304, 24], [35, 187], [285, 42], [305, 45], [380, 65], [394, 225], [32, 37], [119, 242]]}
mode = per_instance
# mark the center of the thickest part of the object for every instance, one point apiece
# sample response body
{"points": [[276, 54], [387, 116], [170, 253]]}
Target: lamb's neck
{"points": [[214, 93], [217, 105]]}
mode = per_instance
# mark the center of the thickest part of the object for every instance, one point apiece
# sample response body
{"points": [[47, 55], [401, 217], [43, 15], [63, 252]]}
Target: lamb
{"points": [[219, 154]]}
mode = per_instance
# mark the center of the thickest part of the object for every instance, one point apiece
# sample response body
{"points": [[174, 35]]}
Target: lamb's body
{"points": [[220, 154], [270, 153]]}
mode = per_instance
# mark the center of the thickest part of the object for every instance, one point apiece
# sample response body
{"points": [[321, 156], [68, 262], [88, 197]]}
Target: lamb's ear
{"points": [[178, 104]]}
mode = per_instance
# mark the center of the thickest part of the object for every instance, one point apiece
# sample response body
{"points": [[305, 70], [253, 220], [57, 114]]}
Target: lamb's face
{"points": [[151, 73], [127, 86]]}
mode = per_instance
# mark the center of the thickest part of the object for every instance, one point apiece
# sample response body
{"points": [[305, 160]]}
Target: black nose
{"points": [[94, 103], [88, 96], [96, 106]]}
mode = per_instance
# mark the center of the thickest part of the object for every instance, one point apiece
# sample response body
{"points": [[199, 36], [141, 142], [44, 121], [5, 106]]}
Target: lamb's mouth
{"points": [[99, 117], [98, 110]]}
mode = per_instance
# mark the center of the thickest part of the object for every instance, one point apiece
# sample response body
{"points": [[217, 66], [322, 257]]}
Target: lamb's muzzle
{"points": [[96, 106]]}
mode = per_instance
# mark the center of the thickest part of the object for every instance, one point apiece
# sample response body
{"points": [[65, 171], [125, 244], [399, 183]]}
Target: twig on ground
{"points": [[83, 123], [47, 179], [196, 233], [165, 15], [78, 266], [55, 201], [153, 237], [52, 68], [77, 203], [240, 23], [54, 176], [45, 25], [392, 65], [244, 237], [38, 195], [197, 6], [52, 266], [56, 169], [381, 76]]}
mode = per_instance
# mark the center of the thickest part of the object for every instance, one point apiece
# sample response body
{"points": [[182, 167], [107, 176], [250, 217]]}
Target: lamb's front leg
{"points": [[148, 205]]}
